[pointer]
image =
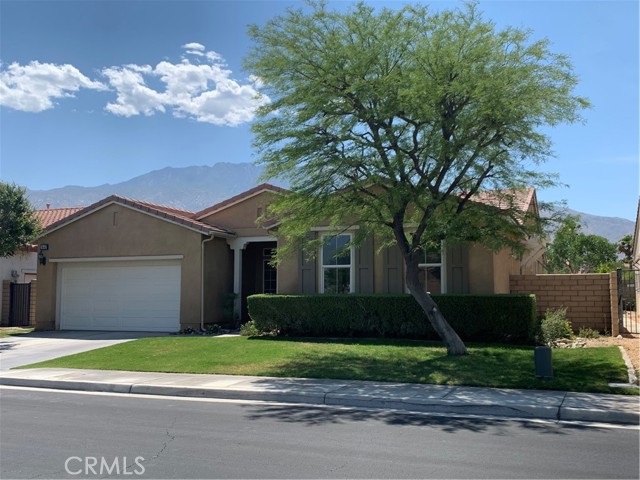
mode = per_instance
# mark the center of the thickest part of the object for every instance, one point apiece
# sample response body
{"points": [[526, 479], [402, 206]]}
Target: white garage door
{"points": [[126, 296]]}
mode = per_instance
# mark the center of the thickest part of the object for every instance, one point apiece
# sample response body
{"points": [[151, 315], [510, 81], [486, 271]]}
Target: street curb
{"points": [[230, 394], [66, 385], [408, 404], [633, 380], [597, 415]]}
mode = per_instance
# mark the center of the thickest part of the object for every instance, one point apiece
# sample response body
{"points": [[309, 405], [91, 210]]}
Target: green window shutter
{"points": [[392, 264], [364, 266], [458, 269], [307, 272]]}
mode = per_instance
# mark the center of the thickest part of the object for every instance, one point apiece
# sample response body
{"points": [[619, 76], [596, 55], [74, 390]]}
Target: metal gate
{"points": [[628, 297], [19, 304]]}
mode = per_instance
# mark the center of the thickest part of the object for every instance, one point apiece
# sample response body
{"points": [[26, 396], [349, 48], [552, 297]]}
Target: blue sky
{"points": [[95, 92]]}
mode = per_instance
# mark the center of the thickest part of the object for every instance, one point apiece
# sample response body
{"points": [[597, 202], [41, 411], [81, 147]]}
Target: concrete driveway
{"points": [[40, 346]]}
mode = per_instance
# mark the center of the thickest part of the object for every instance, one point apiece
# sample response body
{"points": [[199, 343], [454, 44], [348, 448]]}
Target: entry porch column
{"points": [[238, 245]]}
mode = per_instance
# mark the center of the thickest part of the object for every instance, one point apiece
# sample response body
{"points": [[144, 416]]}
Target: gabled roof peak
{"points": [[263, 187]]}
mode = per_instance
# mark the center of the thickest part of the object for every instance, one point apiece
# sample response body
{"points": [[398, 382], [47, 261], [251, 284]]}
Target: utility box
{"points": [[542, 360]]}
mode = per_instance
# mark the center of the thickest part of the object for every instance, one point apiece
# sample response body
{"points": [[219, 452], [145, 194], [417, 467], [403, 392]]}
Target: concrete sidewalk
{"points": [[553, 405]]}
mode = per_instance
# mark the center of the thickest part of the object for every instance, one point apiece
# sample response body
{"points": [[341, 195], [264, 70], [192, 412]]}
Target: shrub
{"points": [[588, 333], [555, 325], [249, 329], [213, 329], [503, 318]]}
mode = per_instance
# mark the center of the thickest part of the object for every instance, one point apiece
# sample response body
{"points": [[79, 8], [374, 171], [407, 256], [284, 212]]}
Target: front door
{"points": [[258, 276]]}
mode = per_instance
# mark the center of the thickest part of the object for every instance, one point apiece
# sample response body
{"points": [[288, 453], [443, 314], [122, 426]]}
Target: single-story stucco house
{"points": [[123, 264]]}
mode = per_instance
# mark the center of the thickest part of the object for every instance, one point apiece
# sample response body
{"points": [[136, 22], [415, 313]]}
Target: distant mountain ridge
{"points": [[187, 188], [198, 187], [611, 228]]}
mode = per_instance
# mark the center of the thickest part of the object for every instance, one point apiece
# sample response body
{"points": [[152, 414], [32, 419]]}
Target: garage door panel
{"points": [[139, 324], [75, 322], [76, 305], [134, 297], [101, 322]]}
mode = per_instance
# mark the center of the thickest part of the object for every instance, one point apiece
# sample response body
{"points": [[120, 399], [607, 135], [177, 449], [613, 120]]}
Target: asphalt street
{"points": [[55, 434]]}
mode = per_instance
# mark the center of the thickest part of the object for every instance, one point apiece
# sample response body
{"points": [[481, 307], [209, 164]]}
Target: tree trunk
{"points": [[455, 345]]}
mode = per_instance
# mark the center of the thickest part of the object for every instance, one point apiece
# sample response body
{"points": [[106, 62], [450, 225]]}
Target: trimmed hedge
{"points": [[486, 318]]}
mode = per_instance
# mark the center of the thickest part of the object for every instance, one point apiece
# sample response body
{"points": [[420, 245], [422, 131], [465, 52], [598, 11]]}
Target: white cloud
{"points": [[199, 87], [204, 92], [134, 97], [194, 49], [193, 46], [33, 87]]}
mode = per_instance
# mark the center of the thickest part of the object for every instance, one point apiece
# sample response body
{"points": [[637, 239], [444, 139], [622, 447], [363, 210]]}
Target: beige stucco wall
{"points": [[489, 272], [480, 270], [119, 231], [241, 217], [504, 265]]}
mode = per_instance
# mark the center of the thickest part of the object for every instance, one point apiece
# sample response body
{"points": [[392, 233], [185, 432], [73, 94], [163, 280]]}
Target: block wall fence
{"points": [[590, 299]]}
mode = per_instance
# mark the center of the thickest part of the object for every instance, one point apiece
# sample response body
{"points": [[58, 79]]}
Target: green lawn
{"points": [[10, 331], [586, 370]]}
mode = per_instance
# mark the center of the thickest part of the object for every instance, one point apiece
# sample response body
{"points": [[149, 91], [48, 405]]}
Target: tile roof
{"points": [[502, 198], [50, 216], [173, 215], [238, 198]]}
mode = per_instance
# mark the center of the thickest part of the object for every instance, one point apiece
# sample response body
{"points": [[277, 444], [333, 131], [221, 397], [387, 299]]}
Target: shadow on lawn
{"points": [[311, 416], [495, 366], [384, 341]]}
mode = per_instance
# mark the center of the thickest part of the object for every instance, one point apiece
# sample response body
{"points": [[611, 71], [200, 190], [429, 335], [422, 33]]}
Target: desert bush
{"points": [[555, 325]]}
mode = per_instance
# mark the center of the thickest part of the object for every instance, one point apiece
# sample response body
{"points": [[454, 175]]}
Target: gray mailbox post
{"points": [[542, 358]]}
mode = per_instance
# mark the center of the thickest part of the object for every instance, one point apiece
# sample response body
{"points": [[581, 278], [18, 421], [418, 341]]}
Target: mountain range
{"points": [[195, 188], [187, 188]]}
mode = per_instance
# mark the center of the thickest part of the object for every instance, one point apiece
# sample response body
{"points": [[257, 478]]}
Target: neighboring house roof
{"points": [[523, 199], [172, 215], [263, 187], [50, 216]]}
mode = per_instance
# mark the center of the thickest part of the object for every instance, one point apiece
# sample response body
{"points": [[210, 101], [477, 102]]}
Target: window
{"points": [[269, 273], [336, 265], [270, 279], [432, 271]]}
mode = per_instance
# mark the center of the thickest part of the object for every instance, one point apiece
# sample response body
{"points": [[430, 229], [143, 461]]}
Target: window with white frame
{"points": [[432, 271], [336, 258]]}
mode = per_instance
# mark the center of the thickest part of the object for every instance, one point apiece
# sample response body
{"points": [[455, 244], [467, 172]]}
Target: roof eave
{"points": [[144, 209]]}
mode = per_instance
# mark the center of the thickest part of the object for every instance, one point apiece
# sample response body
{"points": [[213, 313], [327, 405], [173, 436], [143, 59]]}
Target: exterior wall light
{"points": [[41, 258]]}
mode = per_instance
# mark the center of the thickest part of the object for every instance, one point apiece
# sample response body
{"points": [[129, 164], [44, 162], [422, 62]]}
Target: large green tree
{"points": [[575, 252], [18, 226], [409, 115]]}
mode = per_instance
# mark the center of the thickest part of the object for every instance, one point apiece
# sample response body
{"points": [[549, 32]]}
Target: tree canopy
{"points": [[18, 226], [575, 252], [396, 120], [625, 247]]}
